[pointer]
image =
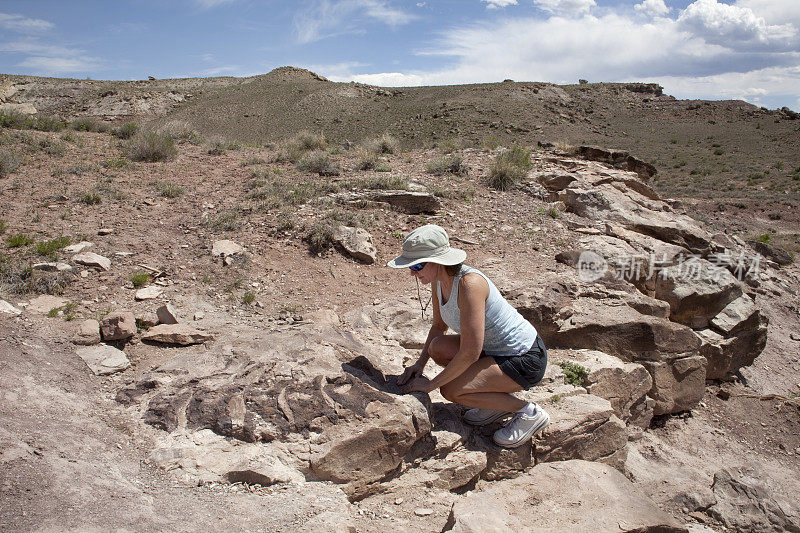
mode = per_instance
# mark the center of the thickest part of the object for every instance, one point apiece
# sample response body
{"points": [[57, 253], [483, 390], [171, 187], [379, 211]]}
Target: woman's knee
{"points": [[451, 391], [439, 350]]}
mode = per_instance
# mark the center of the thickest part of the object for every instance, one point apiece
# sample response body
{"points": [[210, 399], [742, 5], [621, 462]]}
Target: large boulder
{"points": [[678, 385], [560, 497], [745, 503], [582, 427], [696, 291], [357, 242]]}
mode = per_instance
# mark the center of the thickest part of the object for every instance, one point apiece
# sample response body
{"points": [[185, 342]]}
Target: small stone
{"points": [[118, 325], [52, 267], [148, 293], [6, 307], [199, 315], [105, 231], [398, 501], [225, 248], [795, 336], [103, 359], [88, 333], [78, 248], [84, 274], [92, 259], [423, 511], [167, 315]]}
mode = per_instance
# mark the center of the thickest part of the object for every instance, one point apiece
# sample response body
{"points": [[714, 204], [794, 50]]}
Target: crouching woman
{"points": [[494, 351]]}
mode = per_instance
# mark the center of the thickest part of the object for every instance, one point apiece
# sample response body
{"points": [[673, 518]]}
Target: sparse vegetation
{"points": [[20, 121], [168, 189], [302, 142], [320, 236], [317, 161], [139, 278], [48, 247], [574, 374], [90, 198], [217, 146], [509, 167], [453, 164], [248, 298], [226, 220], [384, 183], [8, 162], [18, 240], [150, 147], [385, 144], [115, 162], [491, 143], [250, 161], [126, 131], [88, 124], [764, 238], [179, 131], [366, 160]]}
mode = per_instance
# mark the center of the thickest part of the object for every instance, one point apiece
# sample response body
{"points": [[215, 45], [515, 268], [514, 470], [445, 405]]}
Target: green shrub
{"points": [[2, 226], [316, 161], [574, 374], [167, 189], [491, 143], [18, 240], [453, 164], [366, 160], [126, 131], [20, 121], [384, 183], [179, 131], [449, 146], [48, 247], [114, 162], [385, 144], [285, 222], [139, 278], [227, 220], [90, 198], [88, 124], [320, 236], [150, 147], [8, 162], [764, 238], [255, 160], [509, 167], [217, 146], [305, 141], [248, 298], [383, 168]]}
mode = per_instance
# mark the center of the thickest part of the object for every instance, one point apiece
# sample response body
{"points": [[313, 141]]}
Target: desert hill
{"points": [[272, 403]]}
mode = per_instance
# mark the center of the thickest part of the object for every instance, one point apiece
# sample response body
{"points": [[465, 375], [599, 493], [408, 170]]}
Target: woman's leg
{"points": [[485, 386], [443, 348]]}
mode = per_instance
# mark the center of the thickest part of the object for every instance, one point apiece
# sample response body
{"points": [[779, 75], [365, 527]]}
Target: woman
{"points": [[494, 352]]}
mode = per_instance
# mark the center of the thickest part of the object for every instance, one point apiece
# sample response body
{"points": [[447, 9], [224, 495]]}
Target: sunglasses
{"points": [[417, 267]]}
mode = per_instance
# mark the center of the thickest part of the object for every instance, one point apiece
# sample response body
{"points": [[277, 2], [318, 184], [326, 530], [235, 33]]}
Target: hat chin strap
{"points": [[419, 298]]}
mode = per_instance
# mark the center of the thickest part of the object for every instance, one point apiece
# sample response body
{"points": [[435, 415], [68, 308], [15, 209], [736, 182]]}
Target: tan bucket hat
{"points": [[428, 244]]}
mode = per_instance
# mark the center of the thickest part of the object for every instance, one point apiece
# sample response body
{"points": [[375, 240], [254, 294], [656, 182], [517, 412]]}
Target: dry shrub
{"points": [[150, 147], [179, 131], [453, 164], [509, 167], [385, 144], [8, 162]]}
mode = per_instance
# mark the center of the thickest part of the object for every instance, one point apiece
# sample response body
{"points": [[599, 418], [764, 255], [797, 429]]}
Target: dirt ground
{"points": [[73, 459]]}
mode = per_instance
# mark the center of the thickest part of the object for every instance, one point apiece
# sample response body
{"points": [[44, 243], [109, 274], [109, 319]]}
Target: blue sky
{"points": [[714, 49]]}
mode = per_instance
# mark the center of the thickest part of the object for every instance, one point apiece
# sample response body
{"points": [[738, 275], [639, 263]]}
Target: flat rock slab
{"points": [[564, 497], [78, 248], [225, 248], [52, 267], [148, 293], [103, 359], [180, 334], [45, 303], [93, 260], [6, 307]]}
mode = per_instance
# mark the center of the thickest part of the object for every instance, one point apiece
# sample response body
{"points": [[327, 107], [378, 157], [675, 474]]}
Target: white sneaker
{"points": [[522, 427], [482, 417]]}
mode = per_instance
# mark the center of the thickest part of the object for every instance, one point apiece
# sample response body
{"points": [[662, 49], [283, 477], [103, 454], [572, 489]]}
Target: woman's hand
{"points": [[412, 372], [420, 384]]}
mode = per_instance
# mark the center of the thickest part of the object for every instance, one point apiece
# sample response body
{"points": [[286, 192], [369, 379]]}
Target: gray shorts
{"points": [[526, 369]]}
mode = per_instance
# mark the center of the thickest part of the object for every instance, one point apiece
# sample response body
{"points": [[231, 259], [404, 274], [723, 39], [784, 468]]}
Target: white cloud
{"points": [[565, 7], [494, 4], [652, 8], [327, 18], [774, 11], [209, 4], [60, 65], [23, 24], [731, 25], [229, 70]]}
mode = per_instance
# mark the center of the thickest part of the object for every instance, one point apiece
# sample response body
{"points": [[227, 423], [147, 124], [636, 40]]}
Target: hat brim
{"points": [[453, 256]]}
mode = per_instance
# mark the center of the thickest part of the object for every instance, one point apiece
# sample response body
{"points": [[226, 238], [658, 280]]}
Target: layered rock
{"points": [[563, 496]]}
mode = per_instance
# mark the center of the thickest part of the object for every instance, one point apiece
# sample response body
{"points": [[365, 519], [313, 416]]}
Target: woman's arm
{"points": [[438, 327], [472, 294]]}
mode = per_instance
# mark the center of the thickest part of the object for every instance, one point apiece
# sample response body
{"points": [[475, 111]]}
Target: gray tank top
{"points": [[506, 333]]}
